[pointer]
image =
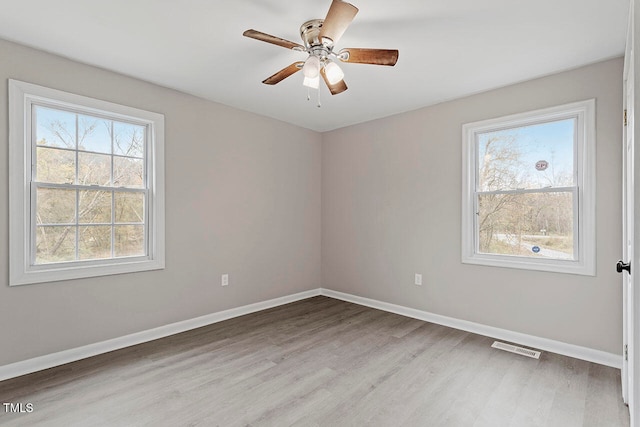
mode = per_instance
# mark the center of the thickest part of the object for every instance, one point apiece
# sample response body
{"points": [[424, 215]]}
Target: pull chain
{"points": [[309, 96]]}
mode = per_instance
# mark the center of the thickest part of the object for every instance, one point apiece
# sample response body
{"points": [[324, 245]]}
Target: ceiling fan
{"points": [[319, 37]]}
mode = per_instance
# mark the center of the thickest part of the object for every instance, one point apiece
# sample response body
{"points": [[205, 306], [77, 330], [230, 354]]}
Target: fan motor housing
{"points": [[310, 33]]}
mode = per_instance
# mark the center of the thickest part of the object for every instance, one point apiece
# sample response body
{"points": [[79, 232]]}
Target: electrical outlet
{"points": [[225, 280], [418, 280]]}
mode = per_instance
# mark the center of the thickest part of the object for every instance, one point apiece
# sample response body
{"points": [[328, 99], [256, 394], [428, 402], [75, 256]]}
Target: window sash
{"points": [[573, 189], [575, 223], [35, 185], [530, 190], [77, 224], [535, 121]]}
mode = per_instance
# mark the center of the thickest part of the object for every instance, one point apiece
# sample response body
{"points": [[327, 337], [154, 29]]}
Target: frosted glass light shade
{"points": [[333, 72], [311, 67], [313, 83]]}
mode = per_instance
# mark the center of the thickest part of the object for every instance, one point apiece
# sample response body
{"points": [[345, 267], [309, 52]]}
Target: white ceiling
{"points": [[448, 49]]}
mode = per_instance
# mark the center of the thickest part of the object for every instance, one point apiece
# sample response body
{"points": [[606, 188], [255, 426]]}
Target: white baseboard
{"points": [[571, 350], [55, 359]]}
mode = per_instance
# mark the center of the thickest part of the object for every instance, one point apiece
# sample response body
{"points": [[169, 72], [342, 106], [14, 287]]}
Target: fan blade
{"points": [[338, 18], [369, 56], [336, 88], [272, 39], [284, 73]]}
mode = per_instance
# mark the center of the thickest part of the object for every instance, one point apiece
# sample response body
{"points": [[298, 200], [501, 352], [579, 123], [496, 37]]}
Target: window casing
{"points": [[87, 186], [528, 196]]}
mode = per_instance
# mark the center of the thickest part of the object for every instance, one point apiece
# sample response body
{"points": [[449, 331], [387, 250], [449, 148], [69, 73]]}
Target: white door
{"points": [[628, 234], [630, 266]]}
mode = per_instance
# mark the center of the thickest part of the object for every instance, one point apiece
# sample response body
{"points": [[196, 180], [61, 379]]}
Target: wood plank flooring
{"points": [[319, 362]]}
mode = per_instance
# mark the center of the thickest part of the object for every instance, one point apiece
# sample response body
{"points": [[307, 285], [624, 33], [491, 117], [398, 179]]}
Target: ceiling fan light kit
{"points": [[333, 72], [319, 37], [313, 83], [311, 67]]}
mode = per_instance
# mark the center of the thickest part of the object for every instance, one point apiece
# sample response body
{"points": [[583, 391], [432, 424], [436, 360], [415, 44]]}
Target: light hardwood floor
{"points": [[319, 362]]}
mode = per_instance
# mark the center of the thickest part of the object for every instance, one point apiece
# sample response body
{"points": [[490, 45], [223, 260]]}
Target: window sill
{"points": [[55, 273], [535, 264]]}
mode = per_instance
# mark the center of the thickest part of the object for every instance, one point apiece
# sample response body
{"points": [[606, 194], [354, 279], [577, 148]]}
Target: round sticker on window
{"points": [[535, 249], [542, 165]]}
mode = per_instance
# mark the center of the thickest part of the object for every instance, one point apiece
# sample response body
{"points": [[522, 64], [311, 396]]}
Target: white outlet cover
{"points": [[418, 280], [225, 280]]}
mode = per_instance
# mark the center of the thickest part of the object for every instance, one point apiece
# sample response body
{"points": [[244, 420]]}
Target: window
{"points": [[529, 190], [87, 186]]}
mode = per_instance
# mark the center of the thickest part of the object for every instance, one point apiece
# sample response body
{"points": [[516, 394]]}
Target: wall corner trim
{"points": [[545, 344], [39, 363]]}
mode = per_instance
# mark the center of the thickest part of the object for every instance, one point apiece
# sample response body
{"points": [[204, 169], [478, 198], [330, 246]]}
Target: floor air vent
{"points": [[515, 349]]}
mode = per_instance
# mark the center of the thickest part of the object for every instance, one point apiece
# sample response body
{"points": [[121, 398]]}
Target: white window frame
{"points": [[22, 97], [584, 199]]}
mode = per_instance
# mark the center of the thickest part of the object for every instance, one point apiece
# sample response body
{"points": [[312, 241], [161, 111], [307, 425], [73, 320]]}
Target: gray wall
{"points": [[391, 196], [242, 197]]}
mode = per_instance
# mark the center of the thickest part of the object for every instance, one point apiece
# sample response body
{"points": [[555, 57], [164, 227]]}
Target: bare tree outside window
{"points": [[90, 187], [526, 190]]}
